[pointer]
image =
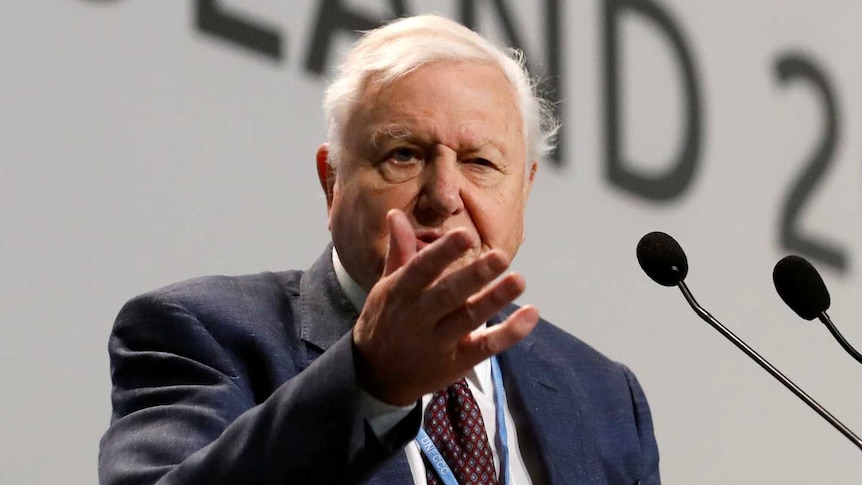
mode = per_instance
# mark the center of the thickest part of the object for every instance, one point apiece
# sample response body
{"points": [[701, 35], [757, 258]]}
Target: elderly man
{"points": [[398, 357]]}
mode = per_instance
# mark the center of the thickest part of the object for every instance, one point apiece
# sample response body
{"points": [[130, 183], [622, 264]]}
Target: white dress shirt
{"points": [[382, 417]]}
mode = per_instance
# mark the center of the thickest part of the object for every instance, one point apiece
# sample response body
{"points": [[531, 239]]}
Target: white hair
{"points": [[404, 45]]}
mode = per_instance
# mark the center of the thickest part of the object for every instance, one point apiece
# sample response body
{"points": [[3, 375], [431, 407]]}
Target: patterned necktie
{"points": [[454, 423]]}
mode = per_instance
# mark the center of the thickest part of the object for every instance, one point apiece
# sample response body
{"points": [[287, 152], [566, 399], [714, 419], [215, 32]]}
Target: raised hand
{"points": [[419, 330]]}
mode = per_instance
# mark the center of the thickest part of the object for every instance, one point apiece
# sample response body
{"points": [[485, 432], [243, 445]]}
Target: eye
{"points": [[481, 163], [484, 172], [401, 164], [403, 155]]}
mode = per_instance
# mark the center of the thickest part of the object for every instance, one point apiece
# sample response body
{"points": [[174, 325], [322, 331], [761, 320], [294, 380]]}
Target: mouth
{"points": [[425, 237]]}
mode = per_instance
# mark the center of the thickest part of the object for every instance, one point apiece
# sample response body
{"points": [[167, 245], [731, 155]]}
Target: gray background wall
{"points": [[139, 150]]}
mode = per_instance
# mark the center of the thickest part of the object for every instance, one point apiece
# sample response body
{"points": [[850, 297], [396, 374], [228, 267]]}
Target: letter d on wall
{"points": [[672, 183]]}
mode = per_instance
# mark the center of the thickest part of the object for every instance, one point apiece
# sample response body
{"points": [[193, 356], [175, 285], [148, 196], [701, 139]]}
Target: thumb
{"points": [[402, 241]]}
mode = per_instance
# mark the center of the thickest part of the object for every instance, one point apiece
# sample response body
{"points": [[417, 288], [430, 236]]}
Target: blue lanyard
{"points": [[439, 463]]}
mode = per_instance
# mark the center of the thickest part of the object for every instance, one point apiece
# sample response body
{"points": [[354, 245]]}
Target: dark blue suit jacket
{"points": [[251, 379]]}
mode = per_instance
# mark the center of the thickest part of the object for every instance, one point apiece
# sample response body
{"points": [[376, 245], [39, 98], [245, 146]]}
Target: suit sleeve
{"points": [[643, 420], [182, 415]]}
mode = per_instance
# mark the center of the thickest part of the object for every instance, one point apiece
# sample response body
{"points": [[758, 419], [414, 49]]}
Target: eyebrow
{"points": [[394, 131], [397, 131]]}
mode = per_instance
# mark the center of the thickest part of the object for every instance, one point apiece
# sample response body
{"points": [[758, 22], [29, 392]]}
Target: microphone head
{"points": [[662, 259], [800, 286]]}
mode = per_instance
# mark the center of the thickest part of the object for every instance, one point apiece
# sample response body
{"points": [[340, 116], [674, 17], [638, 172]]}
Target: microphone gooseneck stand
{"points": [[703, 314], [824, 317]]}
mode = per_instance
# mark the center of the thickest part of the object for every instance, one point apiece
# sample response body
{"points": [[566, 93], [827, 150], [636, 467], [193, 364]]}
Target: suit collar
{"points": [[325, 312]]}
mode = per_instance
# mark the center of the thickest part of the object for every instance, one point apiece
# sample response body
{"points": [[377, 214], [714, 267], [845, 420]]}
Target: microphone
{"points": [[800, 286], [664, 261]]}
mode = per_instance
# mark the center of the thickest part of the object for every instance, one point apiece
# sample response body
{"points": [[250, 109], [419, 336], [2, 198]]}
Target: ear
{"points": [[528, 187], [325, 173], [531, 177]]}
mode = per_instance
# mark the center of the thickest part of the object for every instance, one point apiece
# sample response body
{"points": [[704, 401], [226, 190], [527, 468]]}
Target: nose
{"points": [[441, 186]]}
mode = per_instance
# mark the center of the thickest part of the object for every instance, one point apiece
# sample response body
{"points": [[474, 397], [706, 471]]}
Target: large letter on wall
{"points": [[794, 67], [673, 182], [335, 18], [212, 19]]}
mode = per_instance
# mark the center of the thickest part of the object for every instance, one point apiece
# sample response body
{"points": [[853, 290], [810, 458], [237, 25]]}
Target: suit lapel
{"points": [[325, 312], [546, 397]]}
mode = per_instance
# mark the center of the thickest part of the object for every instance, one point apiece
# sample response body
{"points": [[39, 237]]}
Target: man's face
{"points": [[444, 144]]}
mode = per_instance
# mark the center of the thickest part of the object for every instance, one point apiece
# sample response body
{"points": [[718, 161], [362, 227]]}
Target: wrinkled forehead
{"points": [[472, 92], [473, 102], [472, 132]]}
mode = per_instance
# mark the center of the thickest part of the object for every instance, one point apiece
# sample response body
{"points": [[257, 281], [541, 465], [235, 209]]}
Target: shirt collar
{"points": [[351, 288]]}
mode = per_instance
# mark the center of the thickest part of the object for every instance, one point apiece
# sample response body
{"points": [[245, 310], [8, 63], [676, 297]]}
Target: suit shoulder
{"points": [[557, 342], [552, 333], [220, 289], [559, 345], [249, 315], [231, 308]]}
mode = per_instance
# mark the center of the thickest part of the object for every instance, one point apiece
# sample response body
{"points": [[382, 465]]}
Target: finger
{"points": [[402, 241], [453, 290], [485, 342], [430, 263], [482, 306]]}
